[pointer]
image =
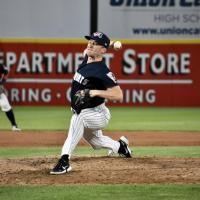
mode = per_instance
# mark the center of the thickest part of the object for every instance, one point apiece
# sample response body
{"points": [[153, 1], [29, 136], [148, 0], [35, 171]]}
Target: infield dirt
{"points": [[100, 170]]}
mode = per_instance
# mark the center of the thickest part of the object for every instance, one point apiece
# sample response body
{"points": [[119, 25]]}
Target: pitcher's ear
{"points": [[103, 50]]}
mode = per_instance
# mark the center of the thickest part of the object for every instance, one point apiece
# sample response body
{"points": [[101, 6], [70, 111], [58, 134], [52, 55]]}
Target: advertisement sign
{"points": [[150, 74], [150, 19]]}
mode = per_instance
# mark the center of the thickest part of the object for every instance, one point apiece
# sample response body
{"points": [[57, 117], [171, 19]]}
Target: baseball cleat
{"points": [[15, 128], [61, 167], [124, 151]]}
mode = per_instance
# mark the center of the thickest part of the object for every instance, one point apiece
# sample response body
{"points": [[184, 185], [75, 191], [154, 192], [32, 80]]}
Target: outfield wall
{"points": [[158, 65], [150, 73]]}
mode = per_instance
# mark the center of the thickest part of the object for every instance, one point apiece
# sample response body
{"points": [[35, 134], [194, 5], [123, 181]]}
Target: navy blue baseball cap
{"points": [[100, 38]]}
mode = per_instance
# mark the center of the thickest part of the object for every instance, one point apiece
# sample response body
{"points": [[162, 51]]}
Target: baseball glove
{"points": [[81, 99]]}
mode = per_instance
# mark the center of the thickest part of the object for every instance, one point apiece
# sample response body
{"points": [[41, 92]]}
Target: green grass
{"points": [[101, 192], [38, 118], [192, 151], [123, 119], [159, 119]]}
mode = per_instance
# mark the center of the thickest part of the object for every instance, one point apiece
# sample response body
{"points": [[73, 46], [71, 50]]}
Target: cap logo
{"points": [[98, 34]]}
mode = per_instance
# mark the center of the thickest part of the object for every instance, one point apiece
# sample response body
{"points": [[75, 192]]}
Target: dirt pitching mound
{"points": [[100, 170]]}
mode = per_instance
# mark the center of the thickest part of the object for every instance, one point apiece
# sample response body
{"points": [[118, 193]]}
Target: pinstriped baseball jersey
{"points": [[92, 119], [94, 75]]}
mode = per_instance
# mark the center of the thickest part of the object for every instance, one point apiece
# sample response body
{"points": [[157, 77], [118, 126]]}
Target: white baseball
{"points": [[117, 45]]}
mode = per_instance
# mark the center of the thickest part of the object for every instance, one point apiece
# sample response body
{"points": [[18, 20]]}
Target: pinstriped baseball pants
{"points": [[89, 124], [4, 103]]}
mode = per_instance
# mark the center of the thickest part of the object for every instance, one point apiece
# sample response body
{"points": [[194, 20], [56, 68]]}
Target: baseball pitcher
{"points": [[92, 84]]}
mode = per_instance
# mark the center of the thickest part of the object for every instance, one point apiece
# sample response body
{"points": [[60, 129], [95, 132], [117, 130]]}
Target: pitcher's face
{"points": [[94, 49]]}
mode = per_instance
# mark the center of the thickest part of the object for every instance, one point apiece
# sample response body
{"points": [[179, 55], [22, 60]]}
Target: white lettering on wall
{"points": [[30, 95], [157, 63]]}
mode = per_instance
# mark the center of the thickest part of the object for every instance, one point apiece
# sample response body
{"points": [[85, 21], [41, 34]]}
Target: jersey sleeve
{"points": [[109, 80]]}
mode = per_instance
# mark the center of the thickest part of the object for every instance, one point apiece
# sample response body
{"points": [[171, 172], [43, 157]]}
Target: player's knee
{"points": [[5, 106], [95, 145]]}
